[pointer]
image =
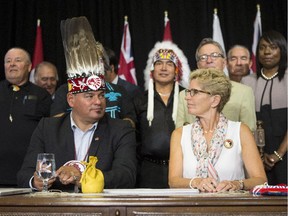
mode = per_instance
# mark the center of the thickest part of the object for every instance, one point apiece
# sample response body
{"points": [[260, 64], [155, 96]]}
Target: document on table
{"points": [[151, 192], [13, 191]]}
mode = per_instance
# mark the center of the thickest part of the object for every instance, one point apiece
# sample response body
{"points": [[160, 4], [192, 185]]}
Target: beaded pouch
{"points": [[271, 190]]}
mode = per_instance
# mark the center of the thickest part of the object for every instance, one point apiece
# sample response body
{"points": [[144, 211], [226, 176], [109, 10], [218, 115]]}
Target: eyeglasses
{"points": [[195, 91], [213, 56]]}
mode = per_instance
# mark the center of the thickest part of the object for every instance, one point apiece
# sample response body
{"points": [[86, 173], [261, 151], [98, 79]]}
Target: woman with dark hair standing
{"points": [[270, 89]]}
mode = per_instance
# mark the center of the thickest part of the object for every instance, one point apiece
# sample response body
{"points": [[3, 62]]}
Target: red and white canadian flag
{"points": [[167, 31], [38, 51], [126, 61], [257, 34]]}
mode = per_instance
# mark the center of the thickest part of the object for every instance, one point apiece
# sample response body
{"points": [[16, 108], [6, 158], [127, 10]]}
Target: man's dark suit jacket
{"points": [[131, 89], [113, 143]]}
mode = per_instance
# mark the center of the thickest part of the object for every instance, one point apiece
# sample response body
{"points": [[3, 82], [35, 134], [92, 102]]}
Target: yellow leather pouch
{"points": [[92, 180]]}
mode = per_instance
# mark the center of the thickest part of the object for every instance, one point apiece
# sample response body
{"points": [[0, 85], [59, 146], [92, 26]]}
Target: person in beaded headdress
{"points": [[85, 131], [156, 110]]}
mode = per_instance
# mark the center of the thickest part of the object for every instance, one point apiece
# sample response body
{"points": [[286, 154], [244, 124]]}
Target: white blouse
{"points": [[229, 165]]}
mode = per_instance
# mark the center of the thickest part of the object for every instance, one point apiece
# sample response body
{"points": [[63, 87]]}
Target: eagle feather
{"points": [[83, 54]]}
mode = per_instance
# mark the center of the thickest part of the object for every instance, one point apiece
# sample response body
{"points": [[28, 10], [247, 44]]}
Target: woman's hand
{"points": [[228, 186], [205, 184], [211, 185], [269, 161]]}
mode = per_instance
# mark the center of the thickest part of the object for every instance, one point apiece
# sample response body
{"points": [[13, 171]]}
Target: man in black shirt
{"points": [[23, 104], [156, 112]]}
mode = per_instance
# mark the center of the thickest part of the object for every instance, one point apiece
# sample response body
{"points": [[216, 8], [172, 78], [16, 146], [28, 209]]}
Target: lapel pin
{"points": [[228, 143]]}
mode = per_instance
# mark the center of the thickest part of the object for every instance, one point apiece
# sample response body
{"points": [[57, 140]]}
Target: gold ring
{"points": [[74, 178]]}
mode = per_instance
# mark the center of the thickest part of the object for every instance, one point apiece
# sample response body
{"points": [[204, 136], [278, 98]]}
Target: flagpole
{"points": [[258, 7], [126, 68], [256, 35], [38, 50], [167, 36], [217, 34]]}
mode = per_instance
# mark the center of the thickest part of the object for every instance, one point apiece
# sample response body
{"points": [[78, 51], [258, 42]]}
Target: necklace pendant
{"points": [[10, 118], [210, 131], [164, 95]]}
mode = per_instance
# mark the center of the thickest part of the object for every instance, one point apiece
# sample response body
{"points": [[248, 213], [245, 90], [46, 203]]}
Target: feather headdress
{"points": [[84, 56], [170, 51], [178, 58]]}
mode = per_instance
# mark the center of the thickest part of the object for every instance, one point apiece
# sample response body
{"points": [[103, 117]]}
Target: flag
{"points": [[126, 61], [38, 51], [217, 34], [256, 36], [167, 31]]}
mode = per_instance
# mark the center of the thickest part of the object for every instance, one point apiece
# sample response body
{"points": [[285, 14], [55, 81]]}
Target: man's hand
{"points": [[38, 182], [69, 175]]}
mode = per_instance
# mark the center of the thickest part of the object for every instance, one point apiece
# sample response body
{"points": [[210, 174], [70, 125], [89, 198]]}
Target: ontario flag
{"points": [[217, 34], [257, 34], [167, 31], [126, 61], [38, 51]]}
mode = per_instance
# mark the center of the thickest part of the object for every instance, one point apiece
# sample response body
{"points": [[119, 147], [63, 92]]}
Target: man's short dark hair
{"points": [[112, 58]]}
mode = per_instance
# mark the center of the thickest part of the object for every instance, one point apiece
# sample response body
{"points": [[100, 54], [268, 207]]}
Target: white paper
{"points": [[151, 192]]}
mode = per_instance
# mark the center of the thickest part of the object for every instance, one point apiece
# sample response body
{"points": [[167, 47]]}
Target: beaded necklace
{"points": [[268, 78]]}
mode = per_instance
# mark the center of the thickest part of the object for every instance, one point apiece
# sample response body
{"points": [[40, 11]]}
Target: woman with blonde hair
{"points": [[213, 154]]}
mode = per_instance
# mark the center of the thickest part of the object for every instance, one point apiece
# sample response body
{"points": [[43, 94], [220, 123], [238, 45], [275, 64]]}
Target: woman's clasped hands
{"points": [[211, 185]]}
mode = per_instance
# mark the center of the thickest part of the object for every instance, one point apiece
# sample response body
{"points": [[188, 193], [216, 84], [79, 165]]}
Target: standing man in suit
{"points": [[241, 105], [86, 130], [112, 76], [22, 105]]}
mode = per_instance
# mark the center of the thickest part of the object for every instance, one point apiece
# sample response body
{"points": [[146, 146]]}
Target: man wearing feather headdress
{"points": [[166, 68], [87, 130]]}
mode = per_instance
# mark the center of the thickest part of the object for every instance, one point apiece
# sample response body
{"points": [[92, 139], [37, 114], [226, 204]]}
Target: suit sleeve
{"points": [[127, 108], [29, 164], [123, 171], [248, 113], [60, 104], [181, 110]]}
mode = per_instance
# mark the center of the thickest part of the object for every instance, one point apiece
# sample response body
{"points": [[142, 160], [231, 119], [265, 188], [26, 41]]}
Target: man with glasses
{"points": [[241, 105]]}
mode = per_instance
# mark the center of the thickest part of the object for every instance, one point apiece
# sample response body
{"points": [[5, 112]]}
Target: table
{"points": [[96, 204]]}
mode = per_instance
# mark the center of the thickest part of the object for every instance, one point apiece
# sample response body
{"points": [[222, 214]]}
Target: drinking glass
{"points": [[45, 168]]}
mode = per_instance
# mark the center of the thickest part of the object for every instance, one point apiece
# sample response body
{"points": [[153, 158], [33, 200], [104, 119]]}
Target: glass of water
{"points": [[45, 168]]}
